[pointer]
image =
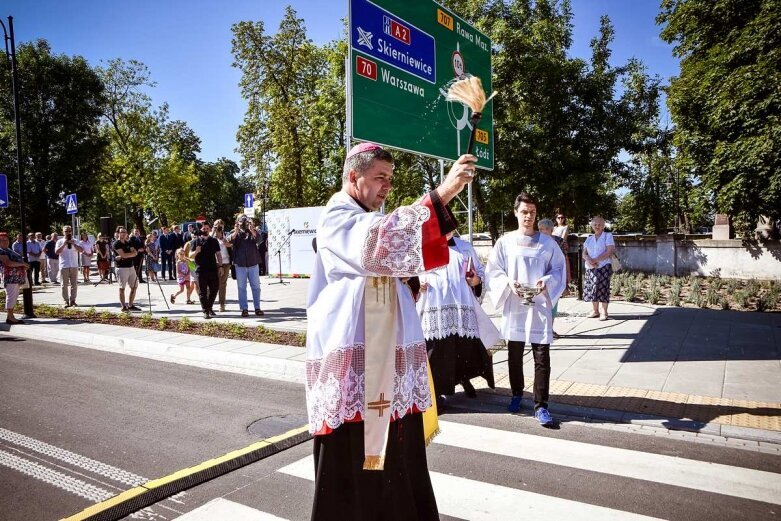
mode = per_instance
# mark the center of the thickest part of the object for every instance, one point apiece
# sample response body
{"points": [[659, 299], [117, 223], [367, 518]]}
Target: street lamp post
{"points": [[27, 293]]}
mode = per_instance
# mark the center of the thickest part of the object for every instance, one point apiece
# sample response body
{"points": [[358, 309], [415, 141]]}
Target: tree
{"points": [[61, 100], [221, 189], [726, 102], [558, 125], [280, 78], [152, 163]]}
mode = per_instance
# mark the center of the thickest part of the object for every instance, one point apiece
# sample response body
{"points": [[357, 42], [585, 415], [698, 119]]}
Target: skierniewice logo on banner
{"points": [[393, 41]]}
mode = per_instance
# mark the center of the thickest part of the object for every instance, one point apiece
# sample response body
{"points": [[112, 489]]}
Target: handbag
{"points": [[615, 263], [233, 271]]}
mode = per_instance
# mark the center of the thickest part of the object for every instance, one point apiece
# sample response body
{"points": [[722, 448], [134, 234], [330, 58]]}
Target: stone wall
{"points": [[682, 255]]}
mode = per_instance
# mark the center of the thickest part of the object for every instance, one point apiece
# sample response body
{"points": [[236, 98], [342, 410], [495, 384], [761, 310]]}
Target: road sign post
{"points": [[403, 57], [3, 191], [71, 207]]}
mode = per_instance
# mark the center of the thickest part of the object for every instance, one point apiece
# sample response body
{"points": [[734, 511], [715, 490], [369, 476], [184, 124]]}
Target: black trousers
{"points": [[541, 353], [167, 264], [208, 286], [35, 267]]}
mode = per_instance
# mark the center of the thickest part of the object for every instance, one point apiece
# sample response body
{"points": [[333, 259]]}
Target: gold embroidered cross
{"points": [[380, 405]]}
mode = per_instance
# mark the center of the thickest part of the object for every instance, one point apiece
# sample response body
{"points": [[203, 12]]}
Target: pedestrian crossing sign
{"points": [[70, 204]]}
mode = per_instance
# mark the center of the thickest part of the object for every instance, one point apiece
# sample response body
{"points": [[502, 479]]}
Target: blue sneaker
{"points": [[543, 416], [515, 404]]}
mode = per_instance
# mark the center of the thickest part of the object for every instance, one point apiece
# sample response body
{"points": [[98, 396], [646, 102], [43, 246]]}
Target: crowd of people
{"points": [[201, 260]]}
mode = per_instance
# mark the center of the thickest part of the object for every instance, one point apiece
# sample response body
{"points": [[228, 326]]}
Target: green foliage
{"points": [[293, 129], [673, 297], [91, 313], [162, 323], [740, 298], [146, 319], [725, 101], [125, 319], [61, 101], [712, 296], [630, 292], [235, 329], [725, 305], [106, 315], [183, 324]]}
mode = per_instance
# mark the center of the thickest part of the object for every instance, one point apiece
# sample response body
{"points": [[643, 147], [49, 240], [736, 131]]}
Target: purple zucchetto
{"points": [[362, 147]]}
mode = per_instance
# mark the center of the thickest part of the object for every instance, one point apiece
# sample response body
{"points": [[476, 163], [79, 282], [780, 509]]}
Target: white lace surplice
{"points": [[352, 245], [449, 306], [525, 259]]}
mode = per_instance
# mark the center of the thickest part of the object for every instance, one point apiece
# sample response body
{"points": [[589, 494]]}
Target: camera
{"points": [[244, 223], [69, 239]]}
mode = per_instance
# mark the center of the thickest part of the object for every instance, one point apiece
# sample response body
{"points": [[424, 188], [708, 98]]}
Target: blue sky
{"points": [[186, 45]]}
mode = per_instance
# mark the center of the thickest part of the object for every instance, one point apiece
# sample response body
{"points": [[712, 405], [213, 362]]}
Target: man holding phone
{"points": [[68, 251]]}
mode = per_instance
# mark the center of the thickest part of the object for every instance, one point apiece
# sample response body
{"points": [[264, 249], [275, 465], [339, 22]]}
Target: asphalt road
{"points": [[77, 425], [136, 419]]}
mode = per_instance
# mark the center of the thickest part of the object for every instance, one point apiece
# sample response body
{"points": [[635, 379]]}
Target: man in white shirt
{"points": [[526, 276], [68, 250]]}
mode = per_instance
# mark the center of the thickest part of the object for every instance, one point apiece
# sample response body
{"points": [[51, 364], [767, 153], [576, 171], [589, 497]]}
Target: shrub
{"points": [[711, 296], [183, 324], [725, 302], [653, 295], [752, 287], [732, 285], [674, 299], [696, 299], [771, 299], [696, 285], [125, 319], [90, 313], [740, 298], [235, 329], [146, 319], [162, 324], [615, 287], [717, 283], [105, 315], [630, 293]]}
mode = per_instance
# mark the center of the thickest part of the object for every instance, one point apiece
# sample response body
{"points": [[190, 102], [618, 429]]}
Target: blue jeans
{"points": [[242, 275]]}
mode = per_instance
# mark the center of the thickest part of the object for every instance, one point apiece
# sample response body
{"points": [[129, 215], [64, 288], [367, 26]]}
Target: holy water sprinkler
{"points": [[469, 91]]}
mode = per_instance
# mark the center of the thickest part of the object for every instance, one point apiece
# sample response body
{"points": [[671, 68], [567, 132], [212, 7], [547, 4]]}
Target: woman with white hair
{"points": [[596, 254]]}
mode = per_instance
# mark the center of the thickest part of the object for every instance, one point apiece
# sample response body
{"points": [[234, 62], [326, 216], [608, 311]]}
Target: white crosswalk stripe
{"points": [[71, 458], [221, 508], [469, 498], [680, 472], [53, 477], [478, 501]]}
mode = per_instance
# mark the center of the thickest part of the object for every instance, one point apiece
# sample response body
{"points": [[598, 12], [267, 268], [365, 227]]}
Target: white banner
{"points": [[291, 234]]}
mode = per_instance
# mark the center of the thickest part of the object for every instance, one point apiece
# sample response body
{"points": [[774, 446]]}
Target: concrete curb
{"points": [[242, 363]]}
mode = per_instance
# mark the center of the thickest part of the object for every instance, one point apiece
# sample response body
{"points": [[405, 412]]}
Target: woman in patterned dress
{"points": [[596, 253], [14, 275]]}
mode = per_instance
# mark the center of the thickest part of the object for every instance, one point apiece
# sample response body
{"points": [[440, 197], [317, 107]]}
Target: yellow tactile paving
{"points": [[624, 398], [670, 405], [558, 387], [583, 395], [706, 409]]}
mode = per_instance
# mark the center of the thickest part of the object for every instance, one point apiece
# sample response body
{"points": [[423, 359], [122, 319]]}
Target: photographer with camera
{"points": [[246, 258], [68, 250], [205, 251]]}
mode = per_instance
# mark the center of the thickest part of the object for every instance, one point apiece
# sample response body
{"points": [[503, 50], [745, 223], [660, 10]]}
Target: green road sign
{"points": [[403, 57]]}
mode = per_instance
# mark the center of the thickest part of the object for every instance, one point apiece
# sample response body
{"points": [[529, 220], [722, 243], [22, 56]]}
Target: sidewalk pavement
{"points": [[709, 372]]}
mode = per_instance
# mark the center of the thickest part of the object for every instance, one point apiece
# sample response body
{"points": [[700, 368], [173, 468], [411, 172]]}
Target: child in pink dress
{"points": [[183, 277]]}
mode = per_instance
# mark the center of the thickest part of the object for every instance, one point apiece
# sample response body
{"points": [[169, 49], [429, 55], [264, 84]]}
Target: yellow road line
{"points": [[136, 493]]}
